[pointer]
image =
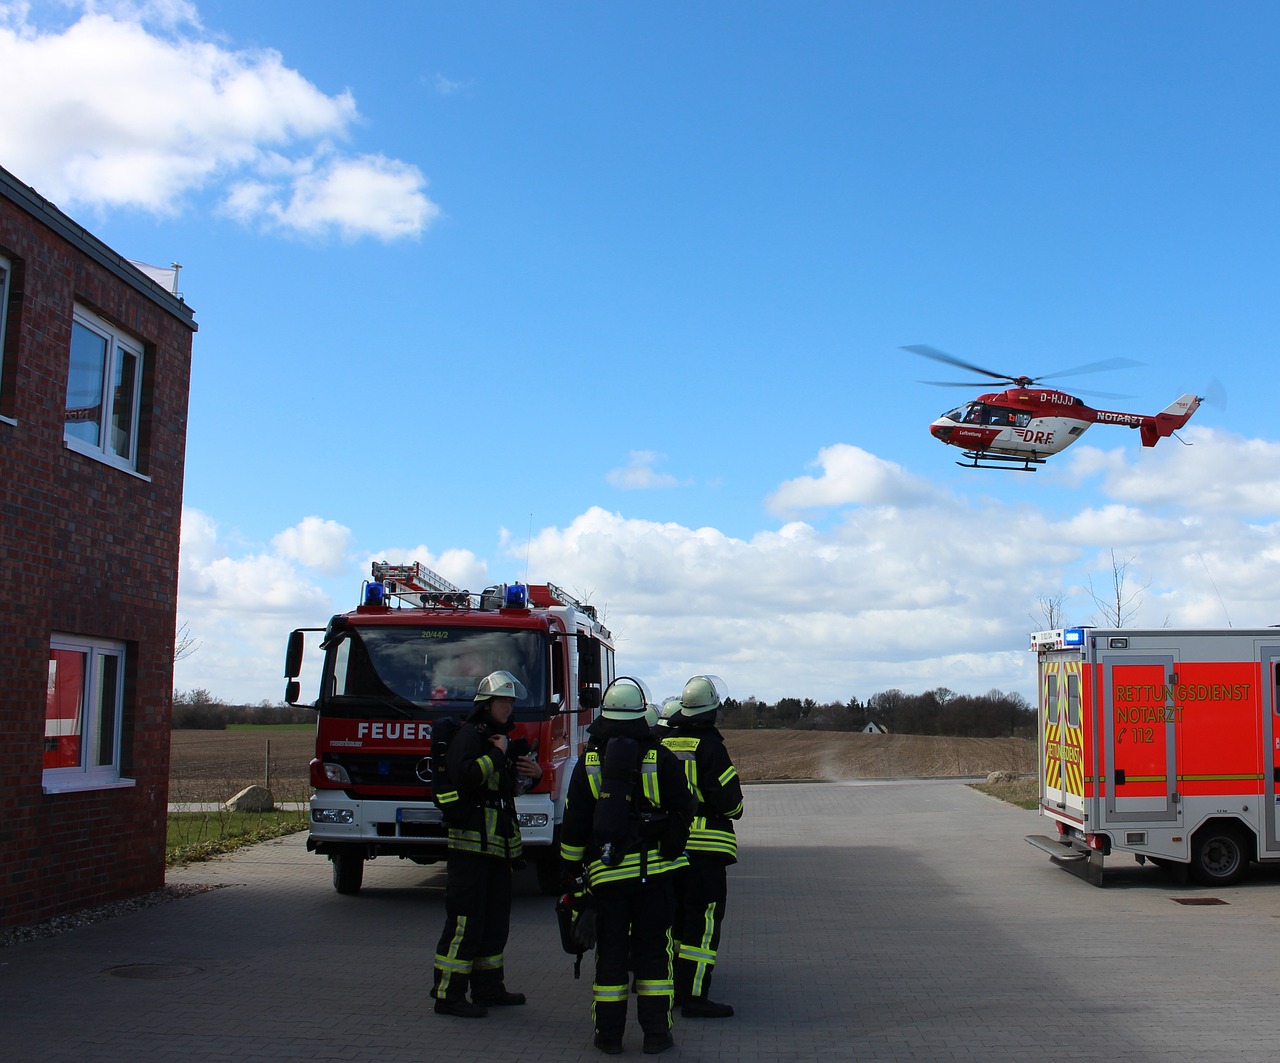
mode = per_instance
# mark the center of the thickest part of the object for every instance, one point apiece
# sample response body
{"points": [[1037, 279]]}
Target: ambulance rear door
{"points": [[1140, 731], [1062, 733]]}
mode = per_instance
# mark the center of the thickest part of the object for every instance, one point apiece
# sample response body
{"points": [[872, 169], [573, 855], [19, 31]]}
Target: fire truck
{"points": [[412, 652], [1163, 744]]}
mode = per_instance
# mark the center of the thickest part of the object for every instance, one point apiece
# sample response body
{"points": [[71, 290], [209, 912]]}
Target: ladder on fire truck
{"points": [[429, 588]]}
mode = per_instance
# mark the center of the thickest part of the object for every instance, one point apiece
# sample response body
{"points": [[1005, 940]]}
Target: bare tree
{"points": [[1119, 604], [184, 643], [1051, 610]]}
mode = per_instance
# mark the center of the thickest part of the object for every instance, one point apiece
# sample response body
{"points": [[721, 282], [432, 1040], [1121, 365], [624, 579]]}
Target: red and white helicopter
{"points": [[1019, 428]]}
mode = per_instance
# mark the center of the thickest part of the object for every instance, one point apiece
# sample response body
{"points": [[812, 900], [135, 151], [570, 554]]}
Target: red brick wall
{"points": [[85, 549]]}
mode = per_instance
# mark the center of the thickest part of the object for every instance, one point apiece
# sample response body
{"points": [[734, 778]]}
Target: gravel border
{"points": [[87, 916]]}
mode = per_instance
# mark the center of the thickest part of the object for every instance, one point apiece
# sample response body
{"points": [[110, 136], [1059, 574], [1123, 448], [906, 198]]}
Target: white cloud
{"points": [[939, 594], [639, 472], [850, 476], [315, 543], [130, 107], [1216, 471]]}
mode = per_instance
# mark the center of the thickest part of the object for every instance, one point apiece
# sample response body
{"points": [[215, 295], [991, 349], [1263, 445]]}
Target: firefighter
{"points": [[702, 889], [483, 765], [629, 881]]}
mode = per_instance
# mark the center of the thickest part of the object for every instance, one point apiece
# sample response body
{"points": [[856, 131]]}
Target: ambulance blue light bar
{"points": [[1058, 639]]}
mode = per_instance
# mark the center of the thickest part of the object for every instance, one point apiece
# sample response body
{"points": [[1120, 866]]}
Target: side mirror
{"points": [[293, 656], [589, 697], [292, 691]]}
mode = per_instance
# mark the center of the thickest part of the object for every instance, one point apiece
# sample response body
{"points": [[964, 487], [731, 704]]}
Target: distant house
{"points": [[874, 728], [95, 361]]}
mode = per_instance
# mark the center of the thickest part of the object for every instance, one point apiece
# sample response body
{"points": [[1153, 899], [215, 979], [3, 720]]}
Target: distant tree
{"points": [[1117, 604]]}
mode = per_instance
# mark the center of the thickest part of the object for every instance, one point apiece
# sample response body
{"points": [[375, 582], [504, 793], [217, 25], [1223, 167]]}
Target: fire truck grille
{"points": [[373, 770]]}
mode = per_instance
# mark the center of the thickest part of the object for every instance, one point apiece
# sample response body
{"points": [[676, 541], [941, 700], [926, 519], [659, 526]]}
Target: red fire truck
{"points": [[413, 652], [1163, 744]]}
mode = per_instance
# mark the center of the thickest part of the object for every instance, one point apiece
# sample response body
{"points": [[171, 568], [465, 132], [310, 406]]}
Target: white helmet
{"points": [[625, 699], [500, 684], [702, 694], [670, 706]]}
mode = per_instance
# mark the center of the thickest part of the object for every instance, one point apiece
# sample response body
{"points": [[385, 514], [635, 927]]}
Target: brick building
{"points": [[95, 362]]}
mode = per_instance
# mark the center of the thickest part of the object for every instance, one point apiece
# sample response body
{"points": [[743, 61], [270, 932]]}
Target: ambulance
{"points": [[1159, 743]]}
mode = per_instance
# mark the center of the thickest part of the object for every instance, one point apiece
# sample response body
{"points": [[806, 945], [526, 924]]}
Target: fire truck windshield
{"points": [[433, 668]]}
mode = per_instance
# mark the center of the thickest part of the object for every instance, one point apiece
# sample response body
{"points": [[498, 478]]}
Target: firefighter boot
{"points": [[462, 1008], [657, 1042], [488, 990], [702, 1008]]}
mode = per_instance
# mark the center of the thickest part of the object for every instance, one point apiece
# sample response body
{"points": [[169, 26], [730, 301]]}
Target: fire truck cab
{"points": [[412, 652], [1163, 744]]}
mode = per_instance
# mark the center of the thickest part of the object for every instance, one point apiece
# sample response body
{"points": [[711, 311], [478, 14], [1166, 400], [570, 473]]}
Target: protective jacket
{"points": [[665, 808], [714, 782], [633, 898], [485, 781]]}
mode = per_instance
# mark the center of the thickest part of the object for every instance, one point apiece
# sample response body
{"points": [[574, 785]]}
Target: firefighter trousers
{"points": [[633, 934], [477, 905], [701, 891]]}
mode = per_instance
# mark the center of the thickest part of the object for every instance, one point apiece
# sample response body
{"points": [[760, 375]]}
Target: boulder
{"points": [[251, 799], [1002, 776]]}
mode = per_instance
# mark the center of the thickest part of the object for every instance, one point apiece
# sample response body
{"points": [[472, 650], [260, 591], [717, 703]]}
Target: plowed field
{"points": [[214, 765]]}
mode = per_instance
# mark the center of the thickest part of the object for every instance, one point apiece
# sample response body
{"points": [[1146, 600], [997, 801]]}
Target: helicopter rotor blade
{"points": [[941, 356], [1095, 367]]}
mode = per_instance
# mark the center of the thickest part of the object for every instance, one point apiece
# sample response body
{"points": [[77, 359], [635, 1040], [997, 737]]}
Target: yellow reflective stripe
{"points": [[575, 854], [654, 987], [607, 994], [678, 744], [487, 963], [649, 777], [631, 867], [729, 773], [447, 797]]}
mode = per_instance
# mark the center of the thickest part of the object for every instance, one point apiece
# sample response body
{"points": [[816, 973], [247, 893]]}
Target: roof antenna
{"points": [[1215, 588], [529, 547]]}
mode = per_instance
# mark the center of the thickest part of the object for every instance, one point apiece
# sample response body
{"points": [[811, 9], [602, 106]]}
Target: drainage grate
{"points": [[152, 970], [1198, 900]]}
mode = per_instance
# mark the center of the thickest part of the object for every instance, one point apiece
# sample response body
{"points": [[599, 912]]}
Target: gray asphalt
{"points": [[893, 921]]}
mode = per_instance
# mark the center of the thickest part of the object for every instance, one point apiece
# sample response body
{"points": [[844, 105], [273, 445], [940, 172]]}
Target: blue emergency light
{"points": [[517, 597], [1073, 636], [374, 594]]}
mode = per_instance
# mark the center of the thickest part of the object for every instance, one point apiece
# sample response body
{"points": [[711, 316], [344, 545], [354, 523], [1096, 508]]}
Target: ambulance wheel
{"points": [[348, 870], [1218, 855]]}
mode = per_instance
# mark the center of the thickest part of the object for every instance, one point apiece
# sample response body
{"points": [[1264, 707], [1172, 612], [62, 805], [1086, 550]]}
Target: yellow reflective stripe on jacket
{"points": [[704, 839], [632, 866], [648, 774]]}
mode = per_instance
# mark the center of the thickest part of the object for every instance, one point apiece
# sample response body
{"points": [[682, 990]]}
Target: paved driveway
{"points": [[877, 921]]}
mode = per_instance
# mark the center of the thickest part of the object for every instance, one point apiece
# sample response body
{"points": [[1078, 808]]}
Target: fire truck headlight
{"points": [[533, 819], [332, 815], [336, 773]]}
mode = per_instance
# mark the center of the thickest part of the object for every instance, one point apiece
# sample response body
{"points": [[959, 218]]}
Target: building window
{"points": [[104, 391], [83, 711], [6, 275]]}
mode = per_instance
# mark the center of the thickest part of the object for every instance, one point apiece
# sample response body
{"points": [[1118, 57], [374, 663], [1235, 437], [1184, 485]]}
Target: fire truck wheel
{"points": [[348, 870], [1219, 856], [548, 871]]}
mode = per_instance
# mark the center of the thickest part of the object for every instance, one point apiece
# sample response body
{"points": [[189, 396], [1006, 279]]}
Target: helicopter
{"points": [[1019, 428]]}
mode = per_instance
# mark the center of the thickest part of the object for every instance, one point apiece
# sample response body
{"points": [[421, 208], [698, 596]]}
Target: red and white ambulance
{"points": [[1160, 743], [413, 652]]}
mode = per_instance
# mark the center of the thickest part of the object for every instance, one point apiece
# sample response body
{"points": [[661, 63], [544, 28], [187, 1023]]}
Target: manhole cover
{"points": [[1198, 900], [152, 970]]}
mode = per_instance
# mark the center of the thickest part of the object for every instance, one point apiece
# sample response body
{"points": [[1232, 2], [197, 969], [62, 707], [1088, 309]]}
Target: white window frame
{"points": [[87, 775], [119, 346]]}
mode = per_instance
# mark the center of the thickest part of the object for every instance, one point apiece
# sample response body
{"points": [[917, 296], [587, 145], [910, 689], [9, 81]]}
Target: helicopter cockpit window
{"points": [[1022, 420], [973, 415], [995, 415], [957, 414]]}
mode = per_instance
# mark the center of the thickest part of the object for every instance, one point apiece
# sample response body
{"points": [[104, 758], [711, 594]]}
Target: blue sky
{"points": [[614, 295]]}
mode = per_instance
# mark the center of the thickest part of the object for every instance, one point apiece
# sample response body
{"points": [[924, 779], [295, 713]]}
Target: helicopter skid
{"points": [[1012, 462]]}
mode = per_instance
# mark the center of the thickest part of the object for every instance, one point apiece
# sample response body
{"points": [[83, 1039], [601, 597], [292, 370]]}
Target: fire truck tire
{"points": [[547, 868], [1219, 855], [348, 870]]}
